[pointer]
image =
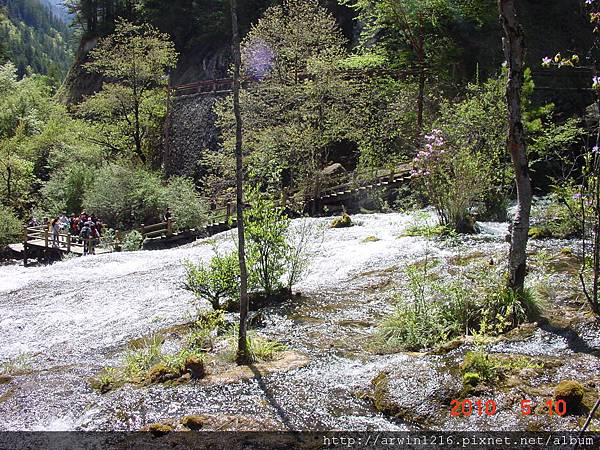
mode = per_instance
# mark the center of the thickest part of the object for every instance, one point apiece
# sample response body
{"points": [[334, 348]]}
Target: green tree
{"points": [[136, 59], [298, 107], [268, 251], [11, 230], [417, 34]]}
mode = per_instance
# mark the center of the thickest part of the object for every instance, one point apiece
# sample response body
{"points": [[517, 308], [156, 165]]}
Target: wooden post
{"points": [[169, 227], [142, 229], [46, 237], [25, 240], [68, 242], [228, 214]]}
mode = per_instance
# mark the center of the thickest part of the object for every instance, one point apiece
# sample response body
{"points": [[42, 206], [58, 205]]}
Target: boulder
{"points": [[194, 423], [571, 392], [333, 169], [195, 367], [418, 390]]}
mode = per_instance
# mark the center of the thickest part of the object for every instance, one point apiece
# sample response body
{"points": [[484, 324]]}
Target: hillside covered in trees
{"points": [[34, 38]]}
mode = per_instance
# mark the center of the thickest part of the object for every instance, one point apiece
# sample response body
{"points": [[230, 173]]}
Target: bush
{"points": [[125, 197], [450, 177], [133, 241], [482, 364], [474, 301], [11, 229], [188, 208], [267, 247], [66, 189], [217, 282]]}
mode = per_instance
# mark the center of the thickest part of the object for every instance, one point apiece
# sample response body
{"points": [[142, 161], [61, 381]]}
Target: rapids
{"points": [[63, 323]]}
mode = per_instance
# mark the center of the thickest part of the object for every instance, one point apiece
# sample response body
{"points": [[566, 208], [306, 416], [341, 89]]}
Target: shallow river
{"points": [[64, 322]]}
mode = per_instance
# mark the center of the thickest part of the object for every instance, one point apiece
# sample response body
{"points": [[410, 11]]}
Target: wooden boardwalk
{"points": [[341, 190]]}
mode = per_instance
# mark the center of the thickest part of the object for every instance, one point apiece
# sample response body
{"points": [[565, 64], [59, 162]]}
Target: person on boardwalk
{"points": [[85, 234], [55, 230]]}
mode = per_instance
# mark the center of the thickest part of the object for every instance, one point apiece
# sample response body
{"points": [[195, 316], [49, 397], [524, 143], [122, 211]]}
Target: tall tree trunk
{"points": [[422, 78], [242, 351], [514, 51]]}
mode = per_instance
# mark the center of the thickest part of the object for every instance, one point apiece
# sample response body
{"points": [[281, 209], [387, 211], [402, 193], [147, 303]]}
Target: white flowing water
{"points": [[68, 320]]}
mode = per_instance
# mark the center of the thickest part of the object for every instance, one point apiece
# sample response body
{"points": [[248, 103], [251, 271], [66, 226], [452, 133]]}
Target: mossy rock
{"points": [[471, 379], [194, 423], [539, 233], [571, 392], [159, 429], [160, 373], [5, 379], [195, 366], [371, 239], [344, 221]]}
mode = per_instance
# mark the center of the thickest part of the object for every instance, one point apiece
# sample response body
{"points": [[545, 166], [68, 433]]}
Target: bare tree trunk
{"points": [[242, 351], [514, 51], [422, 78]]}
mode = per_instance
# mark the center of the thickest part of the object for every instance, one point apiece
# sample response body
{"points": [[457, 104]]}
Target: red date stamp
{"points": [[489, 407]]}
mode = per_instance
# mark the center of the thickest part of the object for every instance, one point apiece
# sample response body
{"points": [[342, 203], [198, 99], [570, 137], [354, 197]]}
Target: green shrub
{"points": [[125, 196], [471, 378], [482, 364], [11, 229], [267, 248], [474, 301], [217, 282], [261, 349], [66, 189], [188, 208], [133, 241], [140, 359]]}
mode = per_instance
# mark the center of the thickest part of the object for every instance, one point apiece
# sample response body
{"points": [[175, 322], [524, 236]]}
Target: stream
{"points": [[61, 324]]}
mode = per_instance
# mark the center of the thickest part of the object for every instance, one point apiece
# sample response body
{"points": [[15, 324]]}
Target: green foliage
{"points": [[141, 359], [559, 215], [266, 246], [480, 363], [126, 196], [475, 301], [259, 348], [481, 366], [188, 208], [65, 190], [135, 58], [205, 330], [471, 378], [34, 39], [217, 282], [133, 241], [11, 229], [449, 177], [418, 30], [299, 109]]}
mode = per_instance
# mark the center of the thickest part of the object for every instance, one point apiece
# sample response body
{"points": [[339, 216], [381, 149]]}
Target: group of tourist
{"points": [[86, 228]]}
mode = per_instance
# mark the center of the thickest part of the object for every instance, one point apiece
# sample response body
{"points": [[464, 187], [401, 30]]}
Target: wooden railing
{"points": [[41, 236], [157, 230]]}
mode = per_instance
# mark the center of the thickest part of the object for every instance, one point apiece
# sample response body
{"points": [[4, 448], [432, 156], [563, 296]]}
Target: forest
{"points": [[35, 39], [234, 206]]}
